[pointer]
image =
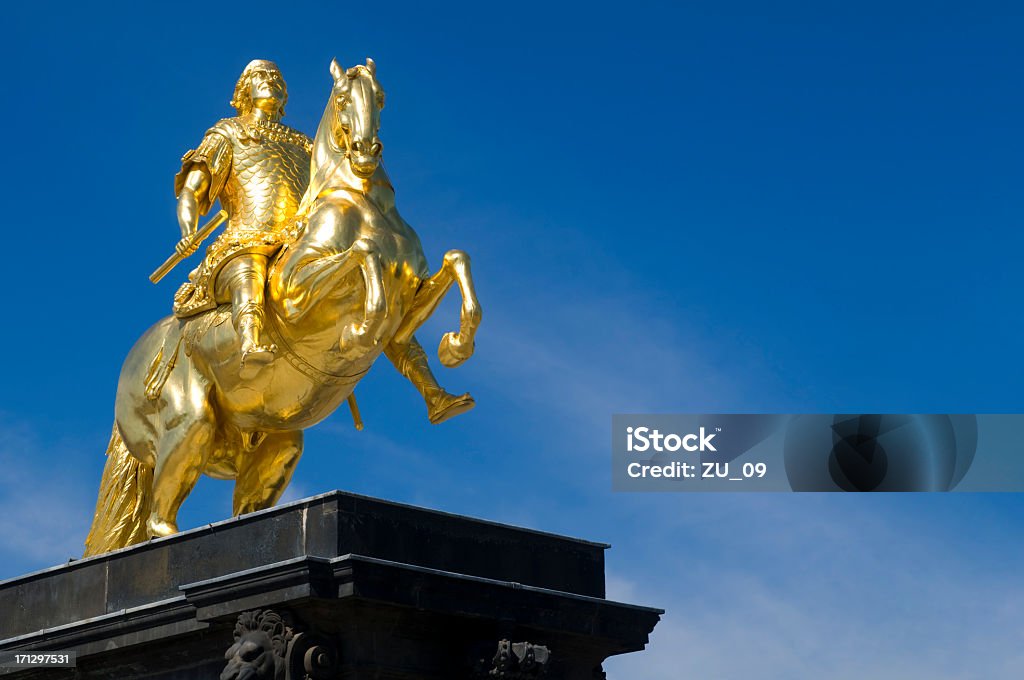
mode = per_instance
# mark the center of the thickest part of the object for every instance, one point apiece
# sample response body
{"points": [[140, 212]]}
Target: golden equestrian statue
{"points": [[318, 274]]}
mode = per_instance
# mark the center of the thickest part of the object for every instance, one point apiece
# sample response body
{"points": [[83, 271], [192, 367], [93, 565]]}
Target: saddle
{"points": [[198, 294]]}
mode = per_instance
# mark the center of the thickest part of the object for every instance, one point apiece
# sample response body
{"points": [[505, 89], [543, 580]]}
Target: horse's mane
{"points": [[320, 171]]}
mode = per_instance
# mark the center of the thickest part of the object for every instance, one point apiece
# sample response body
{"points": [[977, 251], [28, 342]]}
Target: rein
{"points": [[304, 367]]}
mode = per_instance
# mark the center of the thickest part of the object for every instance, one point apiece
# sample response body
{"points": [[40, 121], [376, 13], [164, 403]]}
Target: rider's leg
{"points": [[245, 278], [265, 471], [181, 454], [411, 361]]}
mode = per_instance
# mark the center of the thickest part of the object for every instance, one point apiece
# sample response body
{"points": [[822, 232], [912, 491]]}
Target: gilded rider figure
{"points": [[330, 272], [259, 169]]}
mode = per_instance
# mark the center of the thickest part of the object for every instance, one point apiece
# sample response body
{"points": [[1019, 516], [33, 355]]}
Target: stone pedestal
{"points": [[334, 586]]}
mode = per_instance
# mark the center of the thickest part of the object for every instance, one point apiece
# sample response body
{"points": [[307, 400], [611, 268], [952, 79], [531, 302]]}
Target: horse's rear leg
{"points": [[181, 455], [264, 472]]}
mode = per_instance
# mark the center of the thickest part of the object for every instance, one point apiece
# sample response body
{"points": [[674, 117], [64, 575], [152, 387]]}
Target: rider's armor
{"points": [[259, 171]]}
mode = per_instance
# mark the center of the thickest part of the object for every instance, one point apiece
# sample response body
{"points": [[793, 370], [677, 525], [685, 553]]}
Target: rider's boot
{"points": [[411, 362], [255, 355], [442, 405]]}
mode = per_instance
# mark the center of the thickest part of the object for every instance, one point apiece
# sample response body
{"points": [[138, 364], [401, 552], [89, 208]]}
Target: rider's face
{"points": [[266, 88]]}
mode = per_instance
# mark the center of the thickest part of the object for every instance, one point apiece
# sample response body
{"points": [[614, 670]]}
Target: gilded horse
{"points": [[350, 284]]}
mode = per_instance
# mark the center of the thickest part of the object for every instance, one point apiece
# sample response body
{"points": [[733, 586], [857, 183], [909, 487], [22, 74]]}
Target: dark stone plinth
{"points": [[370, 588]]}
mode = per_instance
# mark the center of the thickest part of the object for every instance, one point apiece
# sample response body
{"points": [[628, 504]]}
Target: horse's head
{"points": [[356, 100]]}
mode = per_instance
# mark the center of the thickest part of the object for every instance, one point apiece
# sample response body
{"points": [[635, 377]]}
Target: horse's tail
{"points": [[123, 504]]}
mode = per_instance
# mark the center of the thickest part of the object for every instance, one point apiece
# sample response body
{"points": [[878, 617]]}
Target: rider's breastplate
{"points": [[261, 189], [269, 174]]}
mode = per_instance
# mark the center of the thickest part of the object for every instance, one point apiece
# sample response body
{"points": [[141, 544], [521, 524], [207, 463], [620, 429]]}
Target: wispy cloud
{"points": [[902, 613], [46, 499], [584, 360]]}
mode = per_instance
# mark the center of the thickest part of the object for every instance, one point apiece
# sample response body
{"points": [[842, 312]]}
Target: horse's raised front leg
{"points": [[375, 309], [455, 348], [315, 273]]}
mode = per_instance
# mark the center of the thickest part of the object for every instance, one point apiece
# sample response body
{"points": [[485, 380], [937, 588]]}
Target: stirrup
{"points": [[448, 406]]}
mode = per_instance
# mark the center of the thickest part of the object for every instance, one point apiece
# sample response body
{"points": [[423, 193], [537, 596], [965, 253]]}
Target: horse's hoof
{"points": [[448, 406], [158, 528], [451, 352]]}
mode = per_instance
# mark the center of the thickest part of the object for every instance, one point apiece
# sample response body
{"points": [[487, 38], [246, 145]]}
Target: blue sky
{"points": [[794, 207]]}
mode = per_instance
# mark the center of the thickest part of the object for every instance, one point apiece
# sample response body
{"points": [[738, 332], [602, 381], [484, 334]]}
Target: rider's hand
{"points": [[185, 247]]}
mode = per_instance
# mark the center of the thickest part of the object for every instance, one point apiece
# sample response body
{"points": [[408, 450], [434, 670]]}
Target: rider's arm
{"points": [[203, 173], [196, 186]]}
